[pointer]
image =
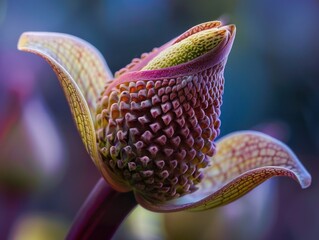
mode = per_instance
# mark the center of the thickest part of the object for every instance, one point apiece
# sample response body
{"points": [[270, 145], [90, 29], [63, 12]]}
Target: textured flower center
{"points": [[157, 135]]}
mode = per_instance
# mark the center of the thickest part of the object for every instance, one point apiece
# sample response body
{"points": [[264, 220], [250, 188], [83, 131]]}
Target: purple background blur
{"points": [[272, 83]]}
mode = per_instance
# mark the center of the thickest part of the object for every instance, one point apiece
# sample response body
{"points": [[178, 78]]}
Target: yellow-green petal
{"points": [[189, 48], [81, 71]]}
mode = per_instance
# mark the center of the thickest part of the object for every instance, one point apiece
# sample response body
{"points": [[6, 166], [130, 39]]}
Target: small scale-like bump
{"points": [[143, 120], [147, 136], [139, 145], [110, 137], [178, 112], [182, 181], [153, 150], [140, 85], [168, 90], [146, 104], [199, 143], [175, 103], [191, 112], [135, 106], [147, 173], [161, 140], [166, 107], [134, 132], [181, 98], [165, 82], [181, 154], [173, 164], [176, 141], [165, 98], [160, 164], [174, 180], [104, 151], [120, 164], [158, 84], [134, 97], [150, 85], [207, 132], [190, 141], [169, 131], [185, 132], [155, 127], [161, 91], [123, 87], [168, 151], [190, 170], [113, 152], [171, 82], [113, 98], [186, 106], [142, 94], [197, 131], [193, 121], [167, 118], [132, 87], [181, 121], [130, 118], [144, 160], [125, 97], [121, 136], [150, 93], [183, 167], [124, 107], [156, 99], [191, 154], [155, 112], [131, 166], [115, 111]]}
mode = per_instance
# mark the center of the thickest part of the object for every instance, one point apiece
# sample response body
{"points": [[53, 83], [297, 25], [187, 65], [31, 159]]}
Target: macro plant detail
{"points": [[151, 129]]}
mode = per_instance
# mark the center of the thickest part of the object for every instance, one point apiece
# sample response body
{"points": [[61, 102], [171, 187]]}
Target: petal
{"points": [[212, 58], [243, 161], [82, 73], [74, 56], [138, 63]]}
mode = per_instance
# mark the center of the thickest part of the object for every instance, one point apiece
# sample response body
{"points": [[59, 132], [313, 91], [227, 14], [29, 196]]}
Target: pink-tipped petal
{"points": [[242, 162], [81, 71]]}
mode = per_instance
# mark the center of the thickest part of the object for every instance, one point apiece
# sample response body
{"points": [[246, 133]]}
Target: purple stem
{"points": [[102, 213], [12, 206]]}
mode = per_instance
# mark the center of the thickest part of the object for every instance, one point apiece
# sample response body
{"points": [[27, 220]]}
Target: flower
{"points": [[151, 129]]}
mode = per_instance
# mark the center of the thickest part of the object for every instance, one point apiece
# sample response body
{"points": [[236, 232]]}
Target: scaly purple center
{"points": [[157, 135]]}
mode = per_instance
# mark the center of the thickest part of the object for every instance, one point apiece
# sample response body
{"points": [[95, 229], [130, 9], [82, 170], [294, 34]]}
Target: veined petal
{"points": [[201, 63], [82, 61], [81, 71], [138, 63], [243, 161]]}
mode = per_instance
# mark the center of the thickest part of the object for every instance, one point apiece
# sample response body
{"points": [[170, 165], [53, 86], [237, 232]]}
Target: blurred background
{"points": [[272, 85]]}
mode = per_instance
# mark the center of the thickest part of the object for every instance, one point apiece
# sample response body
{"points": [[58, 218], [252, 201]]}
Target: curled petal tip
{"points": [[243, 161]]}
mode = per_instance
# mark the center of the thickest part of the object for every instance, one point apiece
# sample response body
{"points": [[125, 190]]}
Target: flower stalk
{"points": [[102, 213]]}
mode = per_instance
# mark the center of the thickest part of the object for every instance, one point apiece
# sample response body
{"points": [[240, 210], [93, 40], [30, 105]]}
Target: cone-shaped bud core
{"points": [[156, 135]]}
